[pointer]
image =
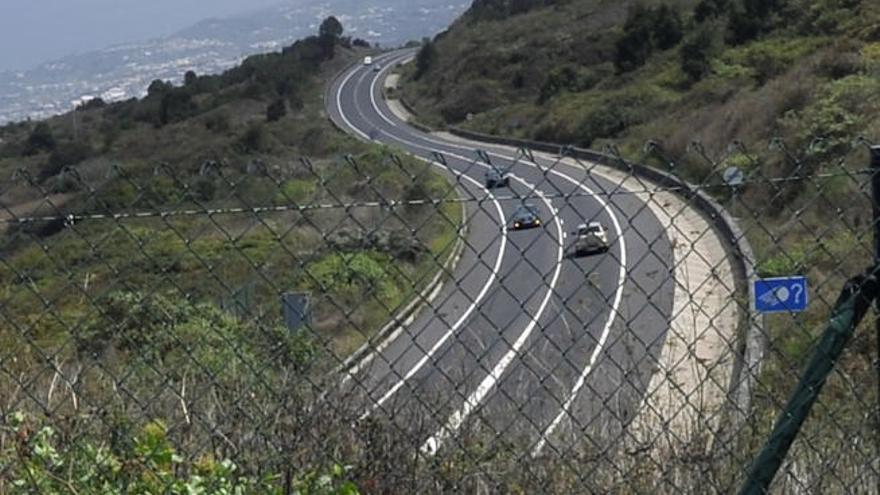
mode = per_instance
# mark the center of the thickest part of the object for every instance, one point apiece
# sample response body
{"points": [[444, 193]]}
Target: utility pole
{"points": [[875, 200], [75, 127]]}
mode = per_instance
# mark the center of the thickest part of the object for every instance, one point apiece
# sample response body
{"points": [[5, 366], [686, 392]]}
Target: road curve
{"points": [[524, 339]]}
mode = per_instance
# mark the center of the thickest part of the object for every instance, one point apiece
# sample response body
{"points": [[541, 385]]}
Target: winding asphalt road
{"points": [[524, 339]]}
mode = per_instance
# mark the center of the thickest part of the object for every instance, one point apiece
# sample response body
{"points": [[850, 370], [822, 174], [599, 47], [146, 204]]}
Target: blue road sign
{"points": [[781, 295], [297, 310]]}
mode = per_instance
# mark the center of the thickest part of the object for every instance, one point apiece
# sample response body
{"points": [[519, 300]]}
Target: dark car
{"points": [[526, 217], [495, 177]]}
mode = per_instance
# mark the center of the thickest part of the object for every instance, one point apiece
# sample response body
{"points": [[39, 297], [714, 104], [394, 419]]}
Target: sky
{"points": [[37, 31]]}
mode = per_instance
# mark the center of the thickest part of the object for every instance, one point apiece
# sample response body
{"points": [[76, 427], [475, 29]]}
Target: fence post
{"points": [[855, 301], [875, 201]]}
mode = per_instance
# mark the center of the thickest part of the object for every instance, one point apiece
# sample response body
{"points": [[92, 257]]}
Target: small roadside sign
{"points": [[297, 310], [781, 295]]}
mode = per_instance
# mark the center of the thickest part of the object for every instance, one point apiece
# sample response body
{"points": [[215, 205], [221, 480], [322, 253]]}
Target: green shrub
{"points": [[784, 264], [204, 189], [667, 29], [474, 97], [116, 195], [176, 105], [184, 335], [696, 54], [353, 276], [142, 461], [834, 117], [826, 17], [710, 9], [634, 46], [218, 122], [564, 78], [162, 190], [67, 154], [276, 110], [40, 140], [255, 139], [297, 190], [647, 29]]}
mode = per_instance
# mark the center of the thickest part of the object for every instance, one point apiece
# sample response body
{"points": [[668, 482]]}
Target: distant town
{"points": [[125, 71]]}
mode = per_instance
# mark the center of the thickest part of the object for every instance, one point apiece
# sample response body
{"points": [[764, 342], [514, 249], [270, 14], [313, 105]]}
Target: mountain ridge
{"points": [[209, 46]]}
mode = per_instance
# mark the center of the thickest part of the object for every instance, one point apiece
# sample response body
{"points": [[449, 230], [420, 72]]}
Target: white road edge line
{"points": [[458, 323], [433, 444], [495, 272], [615, 307]]}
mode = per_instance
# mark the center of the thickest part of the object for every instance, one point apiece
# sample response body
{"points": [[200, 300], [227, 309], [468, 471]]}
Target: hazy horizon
{"points": [[46, 30]]}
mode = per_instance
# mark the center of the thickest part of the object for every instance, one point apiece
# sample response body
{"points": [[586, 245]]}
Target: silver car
{"points": [[590, 238]]}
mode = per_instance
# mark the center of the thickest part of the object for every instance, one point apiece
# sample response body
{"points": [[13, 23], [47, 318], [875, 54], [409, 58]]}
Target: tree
{"points": [[742, 27], [645, 30], [91, 104], [695, 55], [668, 27], [331, 27], [635, 46], [40, 139], [751, 19], [328, 35], [276, 110], [561, 79], [176, 105], [425, 58], [158, 87], [254, 139], [189, 78], [710, 9]]}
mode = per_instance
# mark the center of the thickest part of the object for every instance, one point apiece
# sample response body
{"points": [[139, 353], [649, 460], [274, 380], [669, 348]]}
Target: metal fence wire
{"points": [[387, 324]]}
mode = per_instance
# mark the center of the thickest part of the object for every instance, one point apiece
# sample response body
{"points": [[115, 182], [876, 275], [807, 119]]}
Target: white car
{"points": [[368, 60], [590, 238]]}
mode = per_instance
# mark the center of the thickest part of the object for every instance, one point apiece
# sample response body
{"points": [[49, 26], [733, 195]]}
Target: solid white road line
{"points": [[433, 443], [473, 401], [508, 358], [493, 276], [615, 307], [455, 327]]}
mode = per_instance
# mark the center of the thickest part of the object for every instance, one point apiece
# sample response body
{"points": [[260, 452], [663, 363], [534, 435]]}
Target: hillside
{"points": [[145, 246], [210, 46], [587, 71], [714, 82], [253, 137]]}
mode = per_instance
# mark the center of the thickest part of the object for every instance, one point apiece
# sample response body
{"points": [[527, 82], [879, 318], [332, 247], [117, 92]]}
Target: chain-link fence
{"points": [[522, 322]]}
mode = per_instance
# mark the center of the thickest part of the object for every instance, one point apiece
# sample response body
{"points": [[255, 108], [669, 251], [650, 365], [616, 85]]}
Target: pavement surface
{"points": [[525, 339]]}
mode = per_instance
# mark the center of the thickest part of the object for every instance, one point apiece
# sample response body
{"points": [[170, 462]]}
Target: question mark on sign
{"points": [[798, 291]]}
